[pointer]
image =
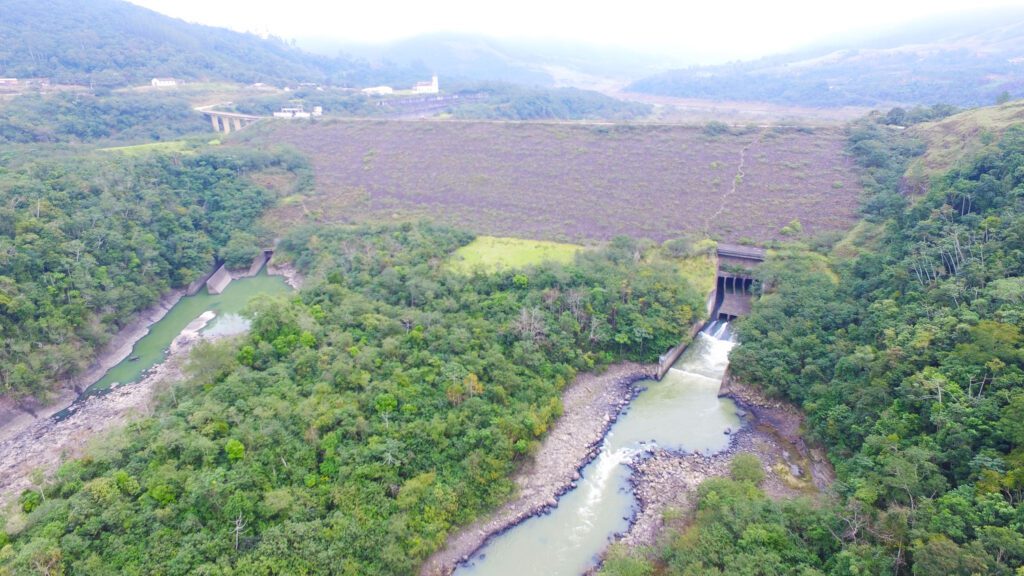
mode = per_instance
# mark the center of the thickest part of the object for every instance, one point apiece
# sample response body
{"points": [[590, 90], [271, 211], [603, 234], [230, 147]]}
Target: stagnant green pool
{"points": [[151, 349]]}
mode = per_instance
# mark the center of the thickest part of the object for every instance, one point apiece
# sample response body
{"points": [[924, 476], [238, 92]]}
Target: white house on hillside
{"points": [[299, 112], [427, 87], [163, 82]]}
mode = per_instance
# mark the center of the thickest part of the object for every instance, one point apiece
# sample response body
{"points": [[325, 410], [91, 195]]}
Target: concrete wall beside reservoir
{"points": [[219, 281]]}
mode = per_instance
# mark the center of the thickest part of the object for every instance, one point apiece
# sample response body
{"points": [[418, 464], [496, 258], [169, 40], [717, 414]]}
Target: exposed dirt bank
{"points": [[15, 418], [47, 442], [292, 277], [592, 403]]}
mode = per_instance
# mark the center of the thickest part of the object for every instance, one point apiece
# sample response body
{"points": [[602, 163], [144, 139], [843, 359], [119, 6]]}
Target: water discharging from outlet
{"points": [[681, 412]]}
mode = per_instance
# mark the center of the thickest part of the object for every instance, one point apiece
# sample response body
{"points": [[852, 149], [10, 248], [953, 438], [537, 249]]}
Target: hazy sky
{"points": [[713, 28]]}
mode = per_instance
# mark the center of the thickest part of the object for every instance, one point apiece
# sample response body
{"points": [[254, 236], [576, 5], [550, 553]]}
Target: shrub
{"points": [[747, 468]]}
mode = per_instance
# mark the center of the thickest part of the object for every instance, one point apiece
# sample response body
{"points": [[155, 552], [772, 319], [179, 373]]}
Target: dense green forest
{"points": [[909, 369], [356, 424], [496, 101], [488, 101], [334, 103], [88, 242], [86, 117], [106, 43]]}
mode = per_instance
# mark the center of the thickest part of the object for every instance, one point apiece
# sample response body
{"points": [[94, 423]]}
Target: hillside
{"points": [[962, 135], [461, 58], [114, 43], [961, 61], [573, 182]]}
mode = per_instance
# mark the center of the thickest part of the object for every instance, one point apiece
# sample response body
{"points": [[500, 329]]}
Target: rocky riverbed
{"points": [[291, 275], [664, 480], [47, 442], [16, 418], [592, 403]]}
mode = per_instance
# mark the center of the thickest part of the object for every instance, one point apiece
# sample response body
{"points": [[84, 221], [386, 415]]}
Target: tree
{"points": [[234, 449]]}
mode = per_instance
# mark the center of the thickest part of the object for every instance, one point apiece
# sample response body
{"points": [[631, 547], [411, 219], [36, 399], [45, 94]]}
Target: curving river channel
{"points": [[151, 349], [681, 412]]}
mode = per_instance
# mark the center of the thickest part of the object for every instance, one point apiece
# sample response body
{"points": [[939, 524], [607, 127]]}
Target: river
{"points": [[680, 412], [151, 349]]}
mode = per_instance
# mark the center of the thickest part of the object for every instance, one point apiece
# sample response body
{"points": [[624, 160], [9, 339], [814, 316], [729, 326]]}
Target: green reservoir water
{"points": [[681, 412], [150, 350]]}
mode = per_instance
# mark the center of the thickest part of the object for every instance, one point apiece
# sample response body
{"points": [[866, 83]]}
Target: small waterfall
{"points": [[601, 473], [682, 411]]}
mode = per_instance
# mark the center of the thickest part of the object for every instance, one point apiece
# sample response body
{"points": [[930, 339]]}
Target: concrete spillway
{"points": [[219, 281]]}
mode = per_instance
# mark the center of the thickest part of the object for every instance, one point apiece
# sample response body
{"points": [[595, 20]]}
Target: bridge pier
{"points": [[227, 121]]}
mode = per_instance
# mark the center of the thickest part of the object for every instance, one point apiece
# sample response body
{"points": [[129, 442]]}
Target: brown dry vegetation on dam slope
{"points": [[572, 181]]}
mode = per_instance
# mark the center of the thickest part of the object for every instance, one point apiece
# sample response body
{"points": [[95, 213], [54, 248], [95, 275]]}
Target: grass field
{"points": [[491, 254], [699, 271], [139, 149], [961, 136], [571, 182]]}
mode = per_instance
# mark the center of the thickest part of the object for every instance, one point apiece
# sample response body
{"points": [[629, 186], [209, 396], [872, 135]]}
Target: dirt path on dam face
{"points": [[736, 181], [591, 404]]}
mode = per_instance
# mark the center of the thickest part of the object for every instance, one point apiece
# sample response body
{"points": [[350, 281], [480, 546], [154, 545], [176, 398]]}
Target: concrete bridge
{"points": [[226, 121]]}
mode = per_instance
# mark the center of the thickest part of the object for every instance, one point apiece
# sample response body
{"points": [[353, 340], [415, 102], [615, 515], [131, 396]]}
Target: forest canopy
{"points": [[87, 243], [358, 423]]}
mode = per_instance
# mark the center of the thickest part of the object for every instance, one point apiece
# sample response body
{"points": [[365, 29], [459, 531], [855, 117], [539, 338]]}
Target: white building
{"points": [[299, 112], [163, 82], [426, 87], [378, 91]]}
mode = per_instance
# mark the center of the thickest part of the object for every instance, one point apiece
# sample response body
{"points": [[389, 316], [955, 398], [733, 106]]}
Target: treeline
{"points": [[87, 117], [86, 243], [498, 101], [333, 102], [909, 369], [357, 424], [112, 43], [958, 77], [492, 101]]}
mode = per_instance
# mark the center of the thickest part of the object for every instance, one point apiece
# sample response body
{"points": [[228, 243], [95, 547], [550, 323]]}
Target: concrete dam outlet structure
{"points": [[221, 277], [731, 297], [734, 280]]}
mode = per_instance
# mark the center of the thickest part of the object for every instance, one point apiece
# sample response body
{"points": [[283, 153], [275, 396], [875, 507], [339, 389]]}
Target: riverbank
{"points": [[291, 275], [667, 481], [591, 404], [44, 444], [15, 418]]}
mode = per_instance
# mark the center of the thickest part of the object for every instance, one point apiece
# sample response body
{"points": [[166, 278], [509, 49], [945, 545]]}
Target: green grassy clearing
{"points": [[139, 149], [698, 270], [492, 254]]}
